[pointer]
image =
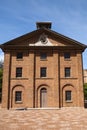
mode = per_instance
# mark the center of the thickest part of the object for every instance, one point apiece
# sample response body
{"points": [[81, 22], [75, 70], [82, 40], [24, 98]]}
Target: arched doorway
{"points": [[43, 97]]}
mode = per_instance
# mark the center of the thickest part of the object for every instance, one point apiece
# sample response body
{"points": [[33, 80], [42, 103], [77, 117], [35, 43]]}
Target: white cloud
{"points": [[1, 56]]}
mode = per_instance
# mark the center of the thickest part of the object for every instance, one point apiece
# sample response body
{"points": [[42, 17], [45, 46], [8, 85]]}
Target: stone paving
{"points": [[44, 119]]}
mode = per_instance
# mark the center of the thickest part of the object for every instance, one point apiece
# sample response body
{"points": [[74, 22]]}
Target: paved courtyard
{"points": [[44, 119]]}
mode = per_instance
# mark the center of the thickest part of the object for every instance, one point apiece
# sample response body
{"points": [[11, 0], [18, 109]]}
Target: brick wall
{"points": [[31, 83]]}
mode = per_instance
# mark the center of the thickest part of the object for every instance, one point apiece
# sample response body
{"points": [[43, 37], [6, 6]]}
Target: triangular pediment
{"points": [[42, 41], [44, 37]]}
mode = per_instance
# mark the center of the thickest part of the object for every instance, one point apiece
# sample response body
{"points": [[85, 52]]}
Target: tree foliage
{"points": [[85, 91], [1, 63]]}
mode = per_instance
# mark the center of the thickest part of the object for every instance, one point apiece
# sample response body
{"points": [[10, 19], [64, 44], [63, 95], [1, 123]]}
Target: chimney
{"points": [[40, 25]]}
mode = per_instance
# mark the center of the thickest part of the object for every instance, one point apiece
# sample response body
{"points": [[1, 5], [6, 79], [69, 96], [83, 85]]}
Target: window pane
{"points": [[19, 72], [68, 95], [43, 72], [19, 55], [43, 56], [67, 55], [67, 72], [18, 96]]}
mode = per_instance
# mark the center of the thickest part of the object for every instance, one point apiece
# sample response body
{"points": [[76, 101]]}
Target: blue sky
{"points": [[68, 17]]}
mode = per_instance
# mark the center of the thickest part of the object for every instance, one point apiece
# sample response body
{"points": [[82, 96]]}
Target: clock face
{"points": [[43, 39]]}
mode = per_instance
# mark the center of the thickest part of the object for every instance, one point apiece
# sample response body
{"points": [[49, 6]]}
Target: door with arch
{"points": [[43, 97]]}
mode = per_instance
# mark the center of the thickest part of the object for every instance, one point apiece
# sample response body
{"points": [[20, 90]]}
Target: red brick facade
{"points": [[63, 84]]}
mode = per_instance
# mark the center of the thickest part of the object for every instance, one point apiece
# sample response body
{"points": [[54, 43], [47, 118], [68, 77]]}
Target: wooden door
{"points": [[43, 97]]}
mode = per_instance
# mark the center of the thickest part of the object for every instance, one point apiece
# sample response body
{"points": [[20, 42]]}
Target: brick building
{"points": [[42, 69], [85, 76]]}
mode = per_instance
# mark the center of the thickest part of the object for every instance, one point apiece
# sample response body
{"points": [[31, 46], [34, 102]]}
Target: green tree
{"points": [[85, 91]]}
